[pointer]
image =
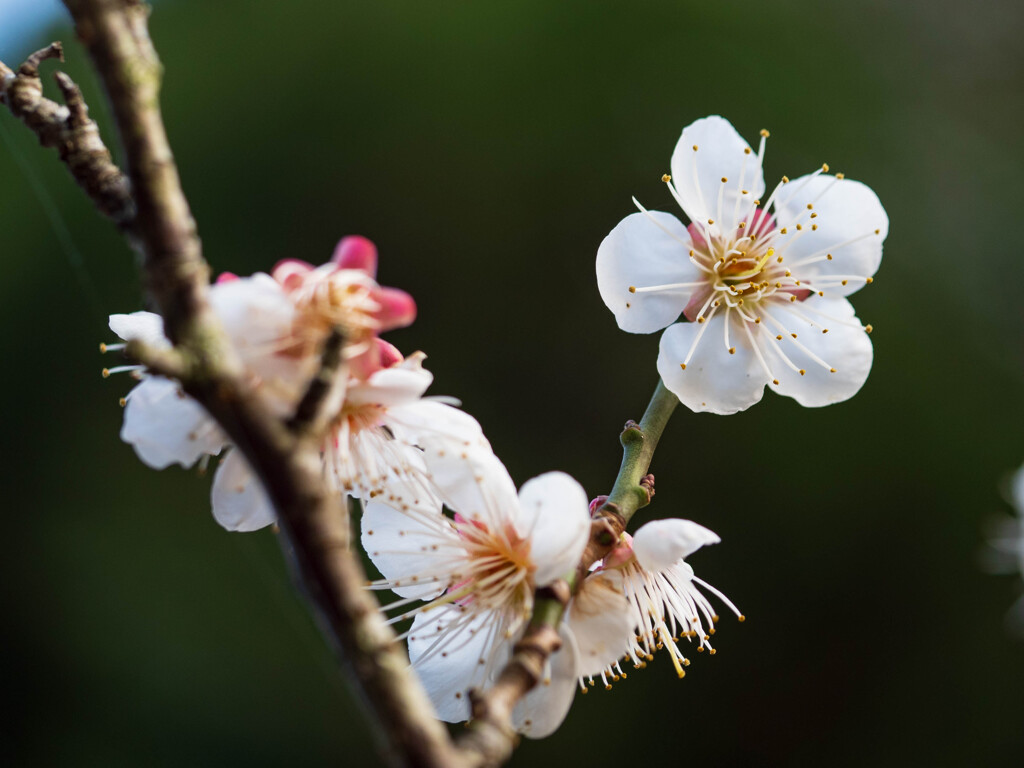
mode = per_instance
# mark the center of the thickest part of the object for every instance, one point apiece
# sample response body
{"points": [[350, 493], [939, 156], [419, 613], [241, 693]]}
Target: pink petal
{"points": [[356, 252], [398, 309], [289, 273]]}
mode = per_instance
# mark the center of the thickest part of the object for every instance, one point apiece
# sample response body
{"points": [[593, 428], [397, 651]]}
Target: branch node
{"points": [[31, 66]]}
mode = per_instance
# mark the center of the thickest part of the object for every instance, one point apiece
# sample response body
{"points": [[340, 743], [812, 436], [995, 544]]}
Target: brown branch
{"points": [[324, 392], [291, 468], [69, 130]]}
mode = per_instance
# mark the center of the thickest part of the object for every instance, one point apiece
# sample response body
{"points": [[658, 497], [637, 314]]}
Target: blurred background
{"points": [[488, 148]]}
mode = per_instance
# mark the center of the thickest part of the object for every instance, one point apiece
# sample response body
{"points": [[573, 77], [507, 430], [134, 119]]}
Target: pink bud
{"points": [[356, 252], [398, 309], [597, 503], [226, 277]]}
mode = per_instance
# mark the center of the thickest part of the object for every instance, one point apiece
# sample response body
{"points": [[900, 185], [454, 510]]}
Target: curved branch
{"points": [[70, 131]]}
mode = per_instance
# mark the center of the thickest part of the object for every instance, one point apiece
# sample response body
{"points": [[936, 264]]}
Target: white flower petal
{"points": [[543, 709], [239, 501], [554, 514], [1017, 491], [697, 175], [165, 427], [846, 347], [453, 650], [258, 316], [660, 544], [144, 326], [600, 620], [643, 251], [415, 551], [714, 380], [470, 479], [851, 225], [391, 386]]}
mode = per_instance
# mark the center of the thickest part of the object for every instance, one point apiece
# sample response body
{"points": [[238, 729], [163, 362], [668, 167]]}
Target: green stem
{"points": [[638, 444]]}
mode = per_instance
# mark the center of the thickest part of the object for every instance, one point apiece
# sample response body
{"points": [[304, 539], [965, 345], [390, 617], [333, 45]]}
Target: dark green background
{"points": [[487, 148]]}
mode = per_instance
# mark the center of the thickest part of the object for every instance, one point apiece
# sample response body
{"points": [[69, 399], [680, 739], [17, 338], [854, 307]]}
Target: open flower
{"points": [[478, 572], [762, 281], [665, 603], [277, 324]]}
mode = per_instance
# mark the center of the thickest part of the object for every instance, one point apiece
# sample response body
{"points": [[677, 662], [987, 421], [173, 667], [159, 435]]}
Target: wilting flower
{"points": [[478, 572], [665, 602], [277, 324], [1006, 547], [762, 281]]}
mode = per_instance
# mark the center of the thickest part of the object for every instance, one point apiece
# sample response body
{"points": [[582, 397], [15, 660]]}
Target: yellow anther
{"points": [[810, 206], [741, 617], [828, 256], [711, 221], [694, 147], [802, 371], [785, 179], [869, 279], [814, 227], [123, 402], [632, 289], [746, 150], [831, 370], [724, 180], [105, 373], [775, 382], [683, 366], [764, 132], [103, 348], [732, 350], [869, 328], [666, 178], [840, 175], [824, 167]]}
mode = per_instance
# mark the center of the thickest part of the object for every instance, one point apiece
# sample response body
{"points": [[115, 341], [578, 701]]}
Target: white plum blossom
{"points": [[166, 427], [1006, 547], [762, 281], [277, 324], [478, 572], [665, 602]]}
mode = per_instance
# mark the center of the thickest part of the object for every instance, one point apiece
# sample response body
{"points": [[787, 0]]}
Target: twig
{"points": [[325, 391], [69, 130], [115, 33]]}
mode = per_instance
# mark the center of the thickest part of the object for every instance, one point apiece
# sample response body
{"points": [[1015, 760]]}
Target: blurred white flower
{"points": [[478, 572], [762, 282], [277, 324], [1005, 553], [665, 603]]}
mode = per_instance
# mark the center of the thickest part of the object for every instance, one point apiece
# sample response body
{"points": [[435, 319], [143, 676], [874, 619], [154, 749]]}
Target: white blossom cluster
{"points": [[762, 288]]}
